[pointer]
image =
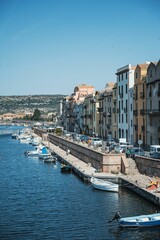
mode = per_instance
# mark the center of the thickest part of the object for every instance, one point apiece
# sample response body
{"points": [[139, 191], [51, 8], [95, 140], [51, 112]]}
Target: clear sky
{"points": [[51, 46]]}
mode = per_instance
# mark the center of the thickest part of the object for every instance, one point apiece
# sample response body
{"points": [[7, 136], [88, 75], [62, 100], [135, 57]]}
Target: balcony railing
{"points": [[136, 127], [142, 112], [114, 110], [142, 128], [135, 112], [125, 109], [142, 95], [121, 95], [100, 109], [153, 111], [135, 96]]}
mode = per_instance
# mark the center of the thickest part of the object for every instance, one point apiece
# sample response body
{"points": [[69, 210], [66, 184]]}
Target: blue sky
{"points": [[51, 46]]}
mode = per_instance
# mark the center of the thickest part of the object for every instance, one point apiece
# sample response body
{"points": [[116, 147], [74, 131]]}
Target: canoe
{"points": [[150, 220], [104, 185]]}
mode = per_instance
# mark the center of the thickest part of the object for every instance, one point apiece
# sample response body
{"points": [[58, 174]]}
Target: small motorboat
{"points": [[44, 154], [50, 159], [150, 220], [66, 168], [104, 185]]}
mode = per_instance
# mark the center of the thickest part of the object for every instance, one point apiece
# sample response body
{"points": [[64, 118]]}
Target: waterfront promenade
{"points": [[134, 181]]}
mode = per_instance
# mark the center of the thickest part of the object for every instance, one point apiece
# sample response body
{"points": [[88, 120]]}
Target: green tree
{"points": [[36, 115]]}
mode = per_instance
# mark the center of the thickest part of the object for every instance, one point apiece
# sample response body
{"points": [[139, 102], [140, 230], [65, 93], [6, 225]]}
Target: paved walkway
{"points": [[134, 177]]}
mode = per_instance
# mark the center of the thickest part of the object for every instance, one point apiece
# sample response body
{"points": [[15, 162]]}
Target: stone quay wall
{"points": [[148, 166], [104, 162]]}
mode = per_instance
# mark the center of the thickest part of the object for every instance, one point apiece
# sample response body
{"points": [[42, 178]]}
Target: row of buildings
{"points": [[128, 108]]}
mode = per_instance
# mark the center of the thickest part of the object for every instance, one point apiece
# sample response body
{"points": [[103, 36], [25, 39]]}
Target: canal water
{"points": [[37, 202]]}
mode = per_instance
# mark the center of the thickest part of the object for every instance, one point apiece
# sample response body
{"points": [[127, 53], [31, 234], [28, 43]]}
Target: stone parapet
{"points": [[104, 162]]}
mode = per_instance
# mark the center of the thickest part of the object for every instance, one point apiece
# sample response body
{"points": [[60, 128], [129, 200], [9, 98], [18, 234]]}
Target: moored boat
{"points": [[150, 220], [104, 185], [50, 159], [66, 168]]}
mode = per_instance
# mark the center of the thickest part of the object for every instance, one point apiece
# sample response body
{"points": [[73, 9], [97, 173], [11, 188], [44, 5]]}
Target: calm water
{"points": [[38, 202]]}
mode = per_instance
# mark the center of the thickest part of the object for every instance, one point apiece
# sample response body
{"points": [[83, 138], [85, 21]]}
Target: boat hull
{"points": [[104, 185], [152, 220]]}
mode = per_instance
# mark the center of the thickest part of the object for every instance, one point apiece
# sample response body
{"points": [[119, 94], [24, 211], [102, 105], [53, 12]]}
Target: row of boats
{"points": [[43, 153]]}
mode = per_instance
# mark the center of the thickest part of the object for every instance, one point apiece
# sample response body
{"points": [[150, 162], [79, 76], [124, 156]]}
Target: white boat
{"points": [[34, 153], [25, 139], [44, 154], [35, 141], [150, 220], [50, 159], [104, 185]]}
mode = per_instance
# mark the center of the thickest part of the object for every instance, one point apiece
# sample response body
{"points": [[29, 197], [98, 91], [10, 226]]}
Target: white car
{"points": [[96, 141]]}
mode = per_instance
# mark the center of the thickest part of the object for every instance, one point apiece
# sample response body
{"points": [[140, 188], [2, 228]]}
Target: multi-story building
{"points": [[114, 113], [140, 103], [129, 110], [105, 111], [125, 81], [70, 107], [153, 104], [90, 114]]}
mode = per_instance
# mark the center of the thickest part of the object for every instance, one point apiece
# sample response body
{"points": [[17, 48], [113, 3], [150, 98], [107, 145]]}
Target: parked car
{"points": [[96, 141], [154, 149], [84, 138], [136, 151], [118, 149], [156, 155]]}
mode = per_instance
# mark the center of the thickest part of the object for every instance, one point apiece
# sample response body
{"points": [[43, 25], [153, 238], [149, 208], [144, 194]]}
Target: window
{"points": [[150, 73], [126, 88], [122, 118], [136, 75], [122, 76], [150, 104], [131, 123], [131, 107], [126, 75]]}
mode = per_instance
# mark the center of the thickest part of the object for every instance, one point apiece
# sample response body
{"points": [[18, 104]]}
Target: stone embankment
{"points": [[133, 179]]}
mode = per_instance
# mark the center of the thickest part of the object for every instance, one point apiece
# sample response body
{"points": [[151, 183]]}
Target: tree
{"points": [[36, 115]]}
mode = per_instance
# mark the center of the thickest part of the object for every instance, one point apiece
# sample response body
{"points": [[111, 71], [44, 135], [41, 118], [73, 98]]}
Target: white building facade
{"points": [[125, 81]]}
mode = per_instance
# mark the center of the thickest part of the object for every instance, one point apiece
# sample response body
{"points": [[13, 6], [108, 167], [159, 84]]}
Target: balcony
{"points": [[104, 114], [100, 109], [150, 94], [142, 112], [114, 110], [136, 127], [121, 95], [135, 96], [142, 128], [155, 112], [142, 95], [135, 112], [125, 110], [108, 126]]}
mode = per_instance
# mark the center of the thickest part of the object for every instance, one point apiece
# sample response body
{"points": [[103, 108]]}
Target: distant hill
{"points": [[20, 104]]}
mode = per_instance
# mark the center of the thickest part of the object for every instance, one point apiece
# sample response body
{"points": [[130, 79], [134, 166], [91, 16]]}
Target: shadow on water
{"points": [[135, 233]]}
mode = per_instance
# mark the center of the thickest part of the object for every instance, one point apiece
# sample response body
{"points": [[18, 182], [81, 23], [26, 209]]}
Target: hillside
{"points": [[17, 104]]}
